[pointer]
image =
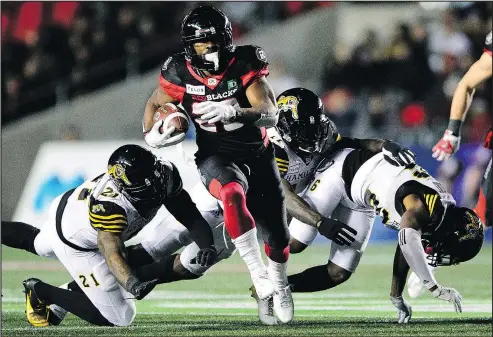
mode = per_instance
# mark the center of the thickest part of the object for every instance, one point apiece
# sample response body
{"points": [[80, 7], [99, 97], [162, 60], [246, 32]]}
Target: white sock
{"points": [[249, 250], [277, 274], [410, 243]]}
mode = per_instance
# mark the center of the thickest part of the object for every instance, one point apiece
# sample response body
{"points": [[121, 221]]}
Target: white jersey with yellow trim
{"points": [[98, 205], [296, 170], [379, 184]]}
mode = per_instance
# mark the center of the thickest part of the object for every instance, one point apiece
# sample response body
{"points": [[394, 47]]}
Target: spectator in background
{"points": [[473, 176], [446, 39], [447, 174], [339, 107], [279, 79]]}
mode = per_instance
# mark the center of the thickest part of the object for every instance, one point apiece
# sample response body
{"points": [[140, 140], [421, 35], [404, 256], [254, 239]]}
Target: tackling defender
{"points": [[478, 73], [86, 229], [350, 186], [224, 90]]}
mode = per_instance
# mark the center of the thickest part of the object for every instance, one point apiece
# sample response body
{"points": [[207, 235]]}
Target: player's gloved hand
{"points": [[451, 295], [397, 155], [156, 139], [336, 231], [212, 112], [446, 146], [404, 310], [139, 289], [205, 257]]}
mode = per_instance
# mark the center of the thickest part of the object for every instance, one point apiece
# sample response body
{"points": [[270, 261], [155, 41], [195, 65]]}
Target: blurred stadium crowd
{"points": [[400, 88], [53, 51]]}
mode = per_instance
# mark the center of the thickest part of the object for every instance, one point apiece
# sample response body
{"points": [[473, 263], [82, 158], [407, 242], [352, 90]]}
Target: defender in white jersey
{"points": [[354, 183], [302, 139], [86, 230]]}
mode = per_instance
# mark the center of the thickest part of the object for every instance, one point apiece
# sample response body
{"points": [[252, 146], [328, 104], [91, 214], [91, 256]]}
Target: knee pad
{"points": [[127, 314]]}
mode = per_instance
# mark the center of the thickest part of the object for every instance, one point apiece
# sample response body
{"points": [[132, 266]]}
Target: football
{"points": [[172, 116]]}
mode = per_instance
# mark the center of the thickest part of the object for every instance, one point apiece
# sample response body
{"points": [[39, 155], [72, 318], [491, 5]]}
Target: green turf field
{"points": [[219, 303]]}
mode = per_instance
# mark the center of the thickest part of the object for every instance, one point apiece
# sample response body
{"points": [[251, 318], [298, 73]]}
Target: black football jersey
{"points": [[487, 44], [184, 83]]}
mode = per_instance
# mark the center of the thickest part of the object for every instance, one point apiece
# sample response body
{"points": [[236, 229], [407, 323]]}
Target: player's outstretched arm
{"points": [[184, 210], [399, 274], [112, 247], [393, 152], [479, 72], [332, 229], [414, 218]]}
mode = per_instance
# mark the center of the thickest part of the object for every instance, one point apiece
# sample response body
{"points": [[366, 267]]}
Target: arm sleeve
{"points": [[174, 183], [107, 216], [170, 81], [255, 66], [184, 210], [282, 160]]}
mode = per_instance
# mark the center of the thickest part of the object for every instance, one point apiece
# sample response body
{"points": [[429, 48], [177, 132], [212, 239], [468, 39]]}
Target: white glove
{"points": [[451, 295], [213, 112], [446, 146], [154, 138], [404, 310]]}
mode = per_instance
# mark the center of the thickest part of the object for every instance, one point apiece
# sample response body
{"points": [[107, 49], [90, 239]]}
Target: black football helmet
{"points": [[460, 239], [138, 174], [302, 123], [203, 24]]}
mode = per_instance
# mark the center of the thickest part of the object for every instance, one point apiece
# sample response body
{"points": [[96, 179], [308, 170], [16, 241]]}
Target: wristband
{"points": [[454, 126]]}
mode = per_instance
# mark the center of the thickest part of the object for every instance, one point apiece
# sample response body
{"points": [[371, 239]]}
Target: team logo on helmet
{"points": [[118, 172], [288, 103], [473, 227]]}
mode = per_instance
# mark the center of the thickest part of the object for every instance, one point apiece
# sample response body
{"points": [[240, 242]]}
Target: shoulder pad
{"points": [[253, 57], [170, 70], [107, 216]]}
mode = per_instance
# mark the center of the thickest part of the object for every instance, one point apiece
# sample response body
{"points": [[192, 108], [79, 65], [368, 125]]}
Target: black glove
{"points": [[139, 289], [336, 231], [205, 257], [396, 155]]}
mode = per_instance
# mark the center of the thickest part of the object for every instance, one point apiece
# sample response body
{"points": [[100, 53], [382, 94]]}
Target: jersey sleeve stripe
{"points": [[175, 91], [282, 160], [432, 203], [107, 217], [122, 221], [282, 164], [253, 75], [103, 226]]}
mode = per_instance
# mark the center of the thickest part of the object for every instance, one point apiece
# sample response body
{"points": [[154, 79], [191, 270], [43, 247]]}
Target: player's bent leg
{"points": [[102, 296]]}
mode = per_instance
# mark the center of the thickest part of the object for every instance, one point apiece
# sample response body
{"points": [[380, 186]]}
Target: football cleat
{"points": [[36, 309], [263, 285], [415, 287], [265, 309], [283, 304]]}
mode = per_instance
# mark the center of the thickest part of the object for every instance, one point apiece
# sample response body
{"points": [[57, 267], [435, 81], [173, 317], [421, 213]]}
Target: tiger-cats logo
{"points": [[288, 103], [118, 172]]}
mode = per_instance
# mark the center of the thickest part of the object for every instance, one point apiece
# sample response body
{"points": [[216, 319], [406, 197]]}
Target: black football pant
{"points": [[260, 179]]}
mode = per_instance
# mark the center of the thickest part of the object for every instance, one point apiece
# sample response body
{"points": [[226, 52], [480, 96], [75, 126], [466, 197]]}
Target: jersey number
{"points": [[315, 184], [84, 280]]}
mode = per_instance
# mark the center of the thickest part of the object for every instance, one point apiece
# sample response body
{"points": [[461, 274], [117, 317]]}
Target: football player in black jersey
{"points": [[224, 90], [86, 228]]}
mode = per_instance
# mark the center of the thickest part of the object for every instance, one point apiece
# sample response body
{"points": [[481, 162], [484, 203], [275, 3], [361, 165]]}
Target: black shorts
{"points": [[261, 181]]}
